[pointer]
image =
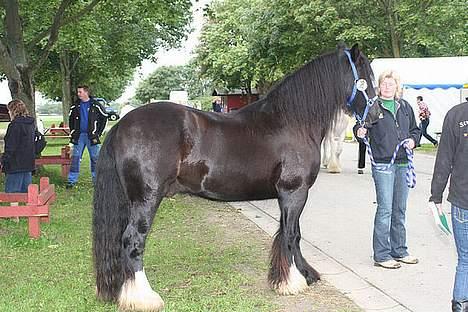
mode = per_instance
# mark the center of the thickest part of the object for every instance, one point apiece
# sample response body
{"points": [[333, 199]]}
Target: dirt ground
{"points": [[321, 297]]}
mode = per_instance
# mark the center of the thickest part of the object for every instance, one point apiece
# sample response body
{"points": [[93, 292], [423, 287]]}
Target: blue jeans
{"points": [[460, 234], [389, 239], [17, 182], [78, 150]]}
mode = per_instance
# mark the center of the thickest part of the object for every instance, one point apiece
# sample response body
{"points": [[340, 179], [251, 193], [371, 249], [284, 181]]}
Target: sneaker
{"points": [[389, 264], [360, 171], [408, 260], [70, 185]]}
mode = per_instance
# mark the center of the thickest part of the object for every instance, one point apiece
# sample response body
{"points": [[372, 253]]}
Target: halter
{"points": [[361, 85]]}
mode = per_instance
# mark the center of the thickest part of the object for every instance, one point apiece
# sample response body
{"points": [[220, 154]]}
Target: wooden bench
{"points": [[36, 208], [47, 136], [64, 159], [57, 132]]}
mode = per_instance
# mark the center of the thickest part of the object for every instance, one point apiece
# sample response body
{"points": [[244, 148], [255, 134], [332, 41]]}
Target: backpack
{"points": [[39, 142]]}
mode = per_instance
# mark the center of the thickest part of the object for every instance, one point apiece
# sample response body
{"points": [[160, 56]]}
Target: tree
{"points": [[274, 37], [160, 83], [103, 47], [24, 51], [223, 53], [124, 34]]}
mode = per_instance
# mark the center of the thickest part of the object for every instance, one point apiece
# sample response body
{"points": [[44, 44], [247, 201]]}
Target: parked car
{"points": [[112, 114]]}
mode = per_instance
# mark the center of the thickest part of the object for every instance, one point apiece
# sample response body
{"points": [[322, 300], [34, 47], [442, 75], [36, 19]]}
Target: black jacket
{"points": [[97, 120], [19, 155], [452, 158], [388, 131]]}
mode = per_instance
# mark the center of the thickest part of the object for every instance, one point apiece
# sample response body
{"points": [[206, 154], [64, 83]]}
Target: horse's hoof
{"points": [[295, 284], [137, 295]]}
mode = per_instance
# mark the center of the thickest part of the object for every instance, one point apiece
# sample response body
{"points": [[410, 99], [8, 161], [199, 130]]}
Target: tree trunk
{"points": [[391, 12], [65, 70], [395, 37], [22, 88], [13, 60]]}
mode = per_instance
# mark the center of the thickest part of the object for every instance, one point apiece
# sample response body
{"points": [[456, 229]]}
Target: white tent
{"points": [[441, 81]]}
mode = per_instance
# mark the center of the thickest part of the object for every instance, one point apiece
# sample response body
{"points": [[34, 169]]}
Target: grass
{"points": [[184, 261], [427, 148]]}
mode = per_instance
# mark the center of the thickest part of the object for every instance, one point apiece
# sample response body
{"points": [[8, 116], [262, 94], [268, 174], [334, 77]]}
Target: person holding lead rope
{"points": [[391, 167]]}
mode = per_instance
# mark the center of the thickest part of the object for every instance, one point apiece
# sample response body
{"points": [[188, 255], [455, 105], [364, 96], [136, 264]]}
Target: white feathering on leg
{"points": [[137, 295], [295, 284]]}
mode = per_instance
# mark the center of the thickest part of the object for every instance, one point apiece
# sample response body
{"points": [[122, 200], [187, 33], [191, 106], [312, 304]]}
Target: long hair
{"points": [[310, 95], [17, 108]]}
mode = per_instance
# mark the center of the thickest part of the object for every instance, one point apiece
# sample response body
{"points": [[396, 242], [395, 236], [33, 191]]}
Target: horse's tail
{"points": [[110, 218]]}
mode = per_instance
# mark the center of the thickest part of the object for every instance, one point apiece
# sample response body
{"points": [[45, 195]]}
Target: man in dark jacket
{"points": [[87, 121], [452, 161]]}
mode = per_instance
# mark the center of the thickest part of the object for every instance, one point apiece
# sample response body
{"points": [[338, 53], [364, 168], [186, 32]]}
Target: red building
{"points": [[236, 99]]}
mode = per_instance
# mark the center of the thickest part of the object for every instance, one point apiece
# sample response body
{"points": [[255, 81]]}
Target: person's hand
{"points": [[439, 208], [410, 144], [361, 132]]}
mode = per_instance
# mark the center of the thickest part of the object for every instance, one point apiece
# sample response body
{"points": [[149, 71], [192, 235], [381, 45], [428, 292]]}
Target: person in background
{"points": [[87, 121], [361, 157], [217, 106], [424, 115], [18, 160], [452, 161], [395, 124]]}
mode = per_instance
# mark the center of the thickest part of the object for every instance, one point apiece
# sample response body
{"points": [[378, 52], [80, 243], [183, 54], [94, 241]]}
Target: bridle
{"points": [[360, 85]]}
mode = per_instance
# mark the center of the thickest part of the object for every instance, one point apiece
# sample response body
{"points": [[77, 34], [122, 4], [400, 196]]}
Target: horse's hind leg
{"points": [[136, 292], [290, 273], [335, 152]]}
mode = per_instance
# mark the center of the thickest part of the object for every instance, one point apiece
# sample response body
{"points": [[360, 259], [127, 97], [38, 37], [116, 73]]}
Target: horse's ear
{"points": [[341, 45], [355, 52]]}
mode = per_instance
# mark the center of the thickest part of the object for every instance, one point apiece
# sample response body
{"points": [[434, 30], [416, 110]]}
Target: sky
{"points": [[179, 56]]}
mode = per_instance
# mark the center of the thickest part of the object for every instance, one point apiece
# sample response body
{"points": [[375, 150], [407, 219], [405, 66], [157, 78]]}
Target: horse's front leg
{"points": [[290, 273], [136, 293], [326, 150]]}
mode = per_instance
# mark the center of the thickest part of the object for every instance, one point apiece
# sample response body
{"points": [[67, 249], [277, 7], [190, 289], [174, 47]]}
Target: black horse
{"points": [[269, 149]]}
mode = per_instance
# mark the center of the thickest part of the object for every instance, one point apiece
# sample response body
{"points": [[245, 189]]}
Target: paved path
{"points": [[337, 226]]}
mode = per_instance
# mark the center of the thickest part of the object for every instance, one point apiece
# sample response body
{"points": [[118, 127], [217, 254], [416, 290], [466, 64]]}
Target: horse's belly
{"points": [[240, 187], [228, 185]]}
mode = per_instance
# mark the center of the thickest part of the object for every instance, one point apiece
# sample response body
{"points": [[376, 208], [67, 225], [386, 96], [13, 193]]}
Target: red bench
{"points": [[63, 159], [36, 208], [57, 132]]}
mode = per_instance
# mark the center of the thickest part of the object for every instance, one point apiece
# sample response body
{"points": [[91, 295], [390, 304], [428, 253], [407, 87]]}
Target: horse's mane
{"points": [[310, 96]]}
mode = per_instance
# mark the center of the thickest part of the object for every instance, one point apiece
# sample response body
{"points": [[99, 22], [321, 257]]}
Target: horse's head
{"points": [[361, 86]]}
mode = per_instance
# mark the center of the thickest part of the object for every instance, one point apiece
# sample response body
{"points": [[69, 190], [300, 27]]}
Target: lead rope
{"points": [[410, 173]]}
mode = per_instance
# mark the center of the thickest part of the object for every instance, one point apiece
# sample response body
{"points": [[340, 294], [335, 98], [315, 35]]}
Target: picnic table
{"points": [[57, 132]]}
